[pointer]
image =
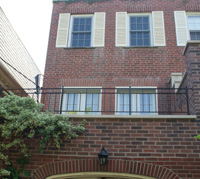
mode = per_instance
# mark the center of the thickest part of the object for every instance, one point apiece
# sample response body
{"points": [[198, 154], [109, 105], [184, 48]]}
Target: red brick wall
{"points": [[116, 66], [163, 143]]}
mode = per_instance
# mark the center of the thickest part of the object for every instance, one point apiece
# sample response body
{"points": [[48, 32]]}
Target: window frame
{"points": [[129, 15], [72, 17], [135, 102], [79, 89], [191, 14]]}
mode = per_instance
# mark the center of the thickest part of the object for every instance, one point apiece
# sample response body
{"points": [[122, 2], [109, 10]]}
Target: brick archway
{"points": [[92, 165]]}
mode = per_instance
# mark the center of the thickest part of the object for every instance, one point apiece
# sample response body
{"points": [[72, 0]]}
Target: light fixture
{"points": [[103, 157]]}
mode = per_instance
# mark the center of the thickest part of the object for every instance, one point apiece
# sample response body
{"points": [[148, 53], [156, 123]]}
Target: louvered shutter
{"points": [[158, 28], [181, 28], [121, 29], [62, 33], [99, 29]]}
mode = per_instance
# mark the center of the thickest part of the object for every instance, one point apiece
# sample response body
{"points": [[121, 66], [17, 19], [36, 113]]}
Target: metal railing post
{"points": [[61, 101], [129, 100], [1, 90]]}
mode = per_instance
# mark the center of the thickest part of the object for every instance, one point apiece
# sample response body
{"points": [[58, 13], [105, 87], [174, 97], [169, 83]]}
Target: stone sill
{"points": [[74, 48], [137, 47], [133, 116]]}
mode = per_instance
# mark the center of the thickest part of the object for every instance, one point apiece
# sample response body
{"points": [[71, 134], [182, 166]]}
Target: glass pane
{"points": [[139, 35], [81, 28], [139, 20], [121, 99], [75, 28], [139, 42], [88, 21], [133, 35], [146, 42], [82, 21], [139, 26], [133, 27], [87, 43], [146, 20], [126, 99], [75, 36], [81, 36], [74, 43], [95, 99], [87, 36], [133, 20], [80, 43], [87, 28], [145, 26], [76, 21]]}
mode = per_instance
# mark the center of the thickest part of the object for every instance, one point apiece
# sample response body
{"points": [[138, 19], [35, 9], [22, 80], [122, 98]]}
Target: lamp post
{"points": [[103, 157]]}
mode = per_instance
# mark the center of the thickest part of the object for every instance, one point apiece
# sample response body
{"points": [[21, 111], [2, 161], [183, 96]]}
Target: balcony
{"points": [[110, 101]]}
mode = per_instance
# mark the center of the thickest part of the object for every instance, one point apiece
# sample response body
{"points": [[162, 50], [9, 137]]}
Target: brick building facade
{"points": [[125, 67]]}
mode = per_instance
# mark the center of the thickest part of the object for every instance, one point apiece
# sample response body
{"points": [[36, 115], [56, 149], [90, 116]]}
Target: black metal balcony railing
{"points": [[110, 101]]}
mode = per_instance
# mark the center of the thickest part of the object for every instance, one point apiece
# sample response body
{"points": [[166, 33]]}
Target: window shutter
{"points": [[158, 28], [62, 33], [121, 29], [99, 29], [181, 28]]}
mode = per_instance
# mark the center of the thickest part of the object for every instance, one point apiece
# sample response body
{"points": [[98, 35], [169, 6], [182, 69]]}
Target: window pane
{"points": [[146, 20], [75, 28], [139, 20], [82, 21], [76, 21], [139, 31], [82, 27]]}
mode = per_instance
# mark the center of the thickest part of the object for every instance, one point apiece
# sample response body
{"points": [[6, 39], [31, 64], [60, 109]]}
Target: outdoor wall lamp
{"points": [[103, 157]]}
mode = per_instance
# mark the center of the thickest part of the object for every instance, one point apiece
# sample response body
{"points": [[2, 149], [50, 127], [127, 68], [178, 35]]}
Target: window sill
{"points": [[79, 47], [189, 117], [142, 47]]}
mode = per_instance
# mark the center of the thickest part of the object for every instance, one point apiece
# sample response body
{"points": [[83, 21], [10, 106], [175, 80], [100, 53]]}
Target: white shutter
{"points": [[181, 28], [158, 28], [62, 33], [121, 29], [99, 29]]}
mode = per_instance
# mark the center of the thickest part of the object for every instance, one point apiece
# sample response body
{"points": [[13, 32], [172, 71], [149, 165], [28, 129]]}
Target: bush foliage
{"points": [[21, 119]]}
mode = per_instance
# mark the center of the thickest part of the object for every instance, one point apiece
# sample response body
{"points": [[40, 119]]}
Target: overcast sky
{"points": [[31, 21]]}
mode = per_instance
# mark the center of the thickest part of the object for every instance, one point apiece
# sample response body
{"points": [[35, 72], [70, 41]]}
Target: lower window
{"points": [[136, 101], [81, 101]]}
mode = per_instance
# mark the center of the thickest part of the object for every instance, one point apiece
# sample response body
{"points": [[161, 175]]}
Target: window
{"points": [[81, 101], [137, 101], [187, 26], [194, 27], [81, 30], [140, 29]]}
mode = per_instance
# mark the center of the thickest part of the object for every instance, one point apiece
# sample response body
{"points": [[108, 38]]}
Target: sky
{"points": [[31, 21]]}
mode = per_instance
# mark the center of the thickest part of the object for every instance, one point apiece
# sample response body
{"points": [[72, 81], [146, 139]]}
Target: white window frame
{"points": [[138, 104], [189, 14], [129, 15], [78, 112], [71, 27]]}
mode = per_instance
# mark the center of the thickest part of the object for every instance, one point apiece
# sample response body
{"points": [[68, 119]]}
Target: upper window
{"points": [[139, 31], [187, 26], [81, 30], [194, 27]]}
